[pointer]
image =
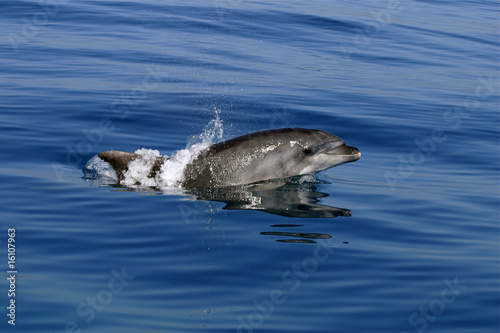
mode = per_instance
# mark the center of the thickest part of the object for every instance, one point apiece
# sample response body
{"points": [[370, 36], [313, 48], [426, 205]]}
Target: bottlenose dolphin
{"points": [[265, 155]]}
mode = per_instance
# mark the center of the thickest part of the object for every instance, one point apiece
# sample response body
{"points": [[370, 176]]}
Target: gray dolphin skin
{"points": [[265, 155]]}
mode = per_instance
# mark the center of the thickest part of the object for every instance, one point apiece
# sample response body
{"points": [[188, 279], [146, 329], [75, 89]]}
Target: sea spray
{"points": [[172, 170], [139, 169], [96, 170]]}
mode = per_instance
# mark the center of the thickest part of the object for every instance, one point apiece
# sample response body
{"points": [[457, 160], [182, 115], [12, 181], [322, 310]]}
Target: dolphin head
{"points": [[317, 150], [281, 153], [319, 158]]}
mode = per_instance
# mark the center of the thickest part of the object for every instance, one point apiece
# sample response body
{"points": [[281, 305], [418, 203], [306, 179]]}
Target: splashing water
{"points": [[100, 171], [138, 170], [172, 170]]}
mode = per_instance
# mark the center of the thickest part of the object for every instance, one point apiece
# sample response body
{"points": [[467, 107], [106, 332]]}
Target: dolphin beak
{"points": [[351, 153], [355, 153]]}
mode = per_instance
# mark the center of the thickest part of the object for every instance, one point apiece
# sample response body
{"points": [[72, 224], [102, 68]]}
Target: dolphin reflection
{"points": [[301, 237], [274, 197], [283, 198], [288, 198]]}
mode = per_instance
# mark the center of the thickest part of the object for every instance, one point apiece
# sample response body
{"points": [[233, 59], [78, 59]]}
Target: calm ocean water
{"points": [[413, 84]]}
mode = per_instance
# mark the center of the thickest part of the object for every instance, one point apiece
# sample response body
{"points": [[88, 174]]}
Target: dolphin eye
{"points": [[307, 151]]}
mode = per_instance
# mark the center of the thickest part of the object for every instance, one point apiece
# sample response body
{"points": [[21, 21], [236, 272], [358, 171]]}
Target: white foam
{"points": [[139, 169], [172, 170]]}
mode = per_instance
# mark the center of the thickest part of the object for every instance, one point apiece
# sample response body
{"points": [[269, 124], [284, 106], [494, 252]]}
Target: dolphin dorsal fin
{"points": [[119, 160]]}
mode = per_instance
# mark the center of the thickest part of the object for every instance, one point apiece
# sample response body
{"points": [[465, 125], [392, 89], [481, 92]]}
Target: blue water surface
{"points": [[413, 84]]}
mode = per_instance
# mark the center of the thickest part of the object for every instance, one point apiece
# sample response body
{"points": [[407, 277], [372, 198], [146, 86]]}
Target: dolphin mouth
{"points": [[353, 153]]}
